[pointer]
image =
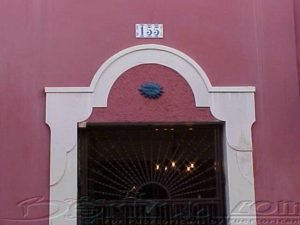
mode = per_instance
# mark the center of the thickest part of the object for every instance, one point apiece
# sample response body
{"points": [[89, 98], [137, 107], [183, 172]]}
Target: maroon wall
{"points": [[63, 42], [297, 28]]}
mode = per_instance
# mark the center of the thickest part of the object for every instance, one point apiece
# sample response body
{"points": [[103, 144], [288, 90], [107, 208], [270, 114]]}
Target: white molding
{"points": [[246, 89], [67, 106]]}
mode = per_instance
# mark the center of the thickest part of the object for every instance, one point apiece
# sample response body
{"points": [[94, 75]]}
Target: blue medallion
{"points": [[151, 90]]}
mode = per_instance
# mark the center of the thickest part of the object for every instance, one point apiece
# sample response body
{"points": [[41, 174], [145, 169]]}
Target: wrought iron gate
{"points": [[158, 174]]}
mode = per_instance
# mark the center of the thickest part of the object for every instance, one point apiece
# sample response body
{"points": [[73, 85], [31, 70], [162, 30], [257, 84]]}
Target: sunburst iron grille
{"points": [[172, 166]]}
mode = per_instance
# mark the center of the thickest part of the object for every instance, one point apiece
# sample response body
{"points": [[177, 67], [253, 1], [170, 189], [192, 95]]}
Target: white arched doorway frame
{"points": [[67, 106]]}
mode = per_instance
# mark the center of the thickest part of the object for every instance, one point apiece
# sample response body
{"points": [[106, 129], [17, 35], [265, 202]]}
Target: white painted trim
{"points": [[245, 89], [67, 106], [68, 90], [90, 90]]}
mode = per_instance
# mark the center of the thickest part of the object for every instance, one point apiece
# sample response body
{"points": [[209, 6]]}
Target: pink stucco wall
{"points": [[297, 26], [63, 42]]}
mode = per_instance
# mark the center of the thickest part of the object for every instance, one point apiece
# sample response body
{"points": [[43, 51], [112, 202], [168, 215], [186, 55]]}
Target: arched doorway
{"points": [[66, 107]]}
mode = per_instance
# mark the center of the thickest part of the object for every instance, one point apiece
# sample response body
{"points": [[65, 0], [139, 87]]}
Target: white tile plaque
{"points": [[149, 31]]}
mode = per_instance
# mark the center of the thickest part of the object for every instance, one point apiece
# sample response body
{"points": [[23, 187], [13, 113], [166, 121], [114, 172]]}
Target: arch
{"points": [[116, 65], [164, 189], [67, 106]]}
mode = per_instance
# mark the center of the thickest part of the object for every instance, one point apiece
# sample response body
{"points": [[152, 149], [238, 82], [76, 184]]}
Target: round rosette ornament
{"points": [[151, 90]]}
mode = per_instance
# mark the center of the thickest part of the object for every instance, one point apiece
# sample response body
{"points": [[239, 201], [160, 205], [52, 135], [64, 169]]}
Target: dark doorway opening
{"points": [[151, 174]]}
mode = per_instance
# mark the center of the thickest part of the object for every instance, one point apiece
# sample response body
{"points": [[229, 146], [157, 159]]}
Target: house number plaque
{"points": [[149, 31]]}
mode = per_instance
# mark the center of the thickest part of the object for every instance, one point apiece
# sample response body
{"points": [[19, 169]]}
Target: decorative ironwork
{"points": [[151, 90], [150, 175]]}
